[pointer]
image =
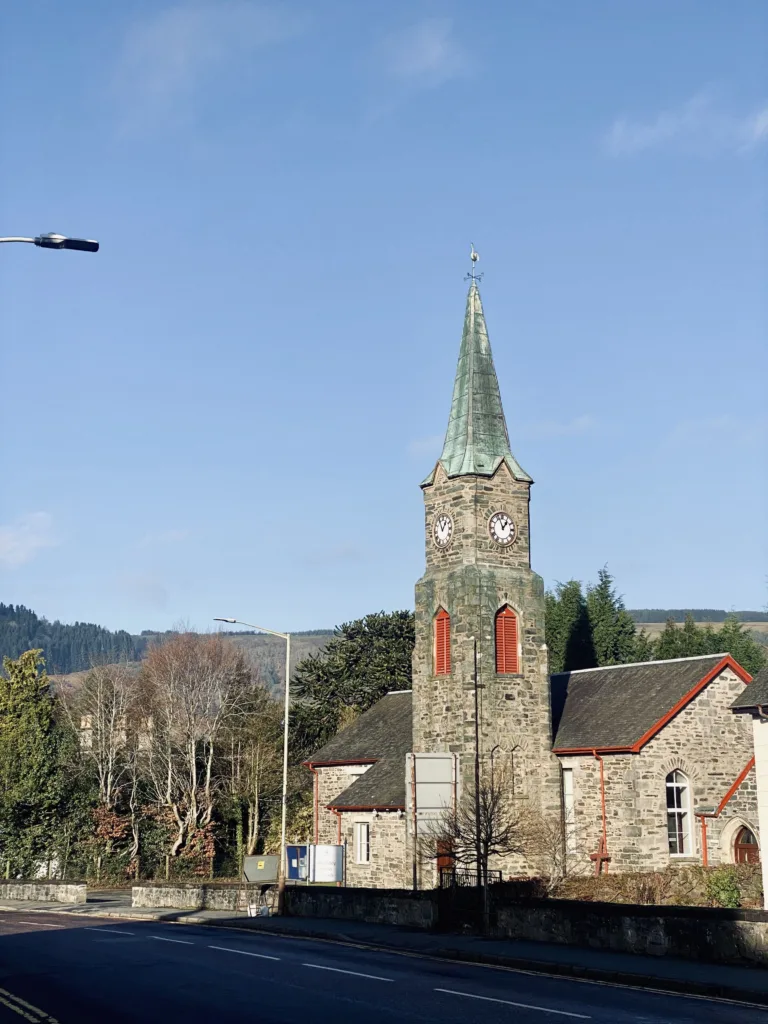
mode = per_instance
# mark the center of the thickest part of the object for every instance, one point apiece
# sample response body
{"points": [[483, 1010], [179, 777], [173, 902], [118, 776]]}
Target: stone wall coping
{"points": [[197, 885]]}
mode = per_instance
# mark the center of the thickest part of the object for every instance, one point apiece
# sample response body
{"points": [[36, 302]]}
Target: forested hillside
{"points": [[67, 648], [697, 614]]}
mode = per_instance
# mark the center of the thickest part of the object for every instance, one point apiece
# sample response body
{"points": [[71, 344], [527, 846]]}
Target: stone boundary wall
{"points": [[44, 892], [178, 896], [699, 933], [376, 906]]}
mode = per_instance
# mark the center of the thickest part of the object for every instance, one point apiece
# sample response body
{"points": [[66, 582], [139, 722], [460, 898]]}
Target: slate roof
{"points": [[754, 694], [383, 734], [383, 785], [616, 707], [476, 441]]}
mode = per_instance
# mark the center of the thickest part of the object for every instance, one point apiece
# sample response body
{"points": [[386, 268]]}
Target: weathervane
{"points": [[472, 276]]}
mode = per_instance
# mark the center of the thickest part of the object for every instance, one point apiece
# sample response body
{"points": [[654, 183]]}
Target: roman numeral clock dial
{"points": [[502, 529], [442, 530]]}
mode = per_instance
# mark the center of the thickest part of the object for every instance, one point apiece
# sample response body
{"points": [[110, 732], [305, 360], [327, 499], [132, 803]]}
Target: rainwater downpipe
{"points": [[316, 797], [602, 806], [338, 842]]}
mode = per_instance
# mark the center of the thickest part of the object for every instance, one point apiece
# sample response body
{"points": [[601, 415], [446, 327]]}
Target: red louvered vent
{"points": [[442, 643], [506, 642]]}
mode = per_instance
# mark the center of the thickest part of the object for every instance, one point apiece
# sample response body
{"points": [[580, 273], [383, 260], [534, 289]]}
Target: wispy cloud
{"points": [[561, 428], [725, 429], [162, 538], [21, 541], [146, 588], [341, 554], [425, 447], [700, 125], [425, 54], [169, 55]]}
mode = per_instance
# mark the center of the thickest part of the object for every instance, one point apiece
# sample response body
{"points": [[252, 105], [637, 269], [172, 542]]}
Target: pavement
{"points": [[78, 968], [547, 964]]}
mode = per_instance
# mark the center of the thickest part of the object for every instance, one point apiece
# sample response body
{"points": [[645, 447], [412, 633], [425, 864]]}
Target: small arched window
{"points": [[442, 643], [507, 661], [745, 848], [679, 814]]}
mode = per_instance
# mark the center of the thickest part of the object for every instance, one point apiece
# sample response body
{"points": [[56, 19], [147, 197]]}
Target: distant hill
{"points": [[699, 614], [67, 648], [72, 649]]}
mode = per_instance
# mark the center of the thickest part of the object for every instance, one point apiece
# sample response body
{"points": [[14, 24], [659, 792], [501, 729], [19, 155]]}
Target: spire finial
{"points": [[474, 256]]}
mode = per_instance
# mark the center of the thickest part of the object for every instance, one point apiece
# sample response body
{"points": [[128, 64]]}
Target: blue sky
{"points": [[229, 409]]}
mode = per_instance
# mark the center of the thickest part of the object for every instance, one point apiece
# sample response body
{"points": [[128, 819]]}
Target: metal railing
{"points": [[452, 877]]}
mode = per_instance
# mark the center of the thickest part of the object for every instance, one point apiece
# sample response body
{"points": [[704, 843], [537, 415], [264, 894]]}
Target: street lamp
{"points": [[54, 241], [287, 638]]}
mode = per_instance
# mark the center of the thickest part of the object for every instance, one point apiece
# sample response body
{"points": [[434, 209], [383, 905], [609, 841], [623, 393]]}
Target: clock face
{"points": [[442, 529], [502, 528]]}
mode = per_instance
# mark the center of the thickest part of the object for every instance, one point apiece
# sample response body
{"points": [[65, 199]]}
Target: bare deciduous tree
{"points": [[100, 713], [252, 750], [492, 823], [193, 688]]}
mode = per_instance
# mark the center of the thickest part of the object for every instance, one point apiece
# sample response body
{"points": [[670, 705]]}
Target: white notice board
{"points": [[326, 863], [435, 780]]}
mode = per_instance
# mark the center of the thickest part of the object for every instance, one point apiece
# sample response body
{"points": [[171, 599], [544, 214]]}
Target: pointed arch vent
{"points": [[442, 643], [507, 660]]}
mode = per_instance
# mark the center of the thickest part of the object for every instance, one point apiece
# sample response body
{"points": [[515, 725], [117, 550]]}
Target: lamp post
{"points": [[54, 241], [287, 638]]}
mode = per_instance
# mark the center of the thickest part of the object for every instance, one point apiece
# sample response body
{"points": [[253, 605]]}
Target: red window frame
{"points": [[442, 643], [507, 657]]}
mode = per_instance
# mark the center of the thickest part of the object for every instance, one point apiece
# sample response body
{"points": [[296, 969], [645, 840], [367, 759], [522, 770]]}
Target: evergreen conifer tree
{"points": [[613, 630]]}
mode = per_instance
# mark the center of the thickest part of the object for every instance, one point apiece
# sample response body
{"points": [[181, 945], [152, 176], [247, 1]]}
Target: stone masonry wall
{"points": [[333, 780], [697, 933], [473, 579], [705, 741], [53, 892], [387, 868]]}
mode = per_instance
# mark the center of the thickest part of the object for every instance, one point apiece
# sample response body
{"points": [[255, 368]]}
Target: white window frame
{"points": [[362, 842], [569, 812], [678, 784]]}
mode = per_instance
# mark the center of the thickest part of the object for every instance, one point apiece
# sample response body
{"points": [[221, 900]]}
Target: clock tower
{"points": [[479, 603]]}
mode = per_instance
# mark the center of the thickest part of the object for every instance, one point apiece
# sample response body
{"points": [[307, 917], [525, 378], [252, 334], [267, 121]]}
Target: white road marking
{"points": [[180, 942], [41, 924], [110, 931], [243, 952], [357, 974], [520, 1006]]}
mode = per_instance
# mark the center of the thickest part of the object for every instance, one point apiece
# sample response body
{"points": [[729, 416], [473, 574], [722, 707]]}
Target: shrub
{"points": [[723, 889]]}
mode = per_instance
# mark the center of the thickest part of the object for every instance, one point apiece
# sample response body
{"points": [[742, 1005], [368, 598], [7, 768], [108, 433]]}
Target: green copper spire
{"points": [[476, 442]]}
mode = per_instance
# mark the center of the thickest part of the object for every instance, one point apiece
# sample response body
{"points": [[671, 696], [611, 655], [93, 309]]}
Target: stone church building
{"points": [[634, 767]]}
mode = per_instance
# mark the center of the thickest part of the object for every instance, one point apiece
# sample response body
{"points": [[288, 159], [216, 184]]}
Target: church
{"points": [[632, 767]]}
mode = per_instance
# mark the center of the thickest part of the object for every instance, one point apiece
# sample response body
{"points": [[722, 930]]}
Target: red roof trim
{"points": [[635, 748], [369, 807], [743, 774]]}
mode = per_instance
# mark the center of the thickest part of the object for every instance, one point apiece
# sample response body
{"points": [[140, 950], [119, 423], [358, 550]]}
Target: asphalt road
{"points": [[55, 970]]}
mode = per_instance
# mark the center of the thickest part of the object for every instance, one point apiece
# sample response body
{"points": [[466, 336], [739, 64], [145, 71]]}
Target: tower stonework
{"points": [[474, 571]]}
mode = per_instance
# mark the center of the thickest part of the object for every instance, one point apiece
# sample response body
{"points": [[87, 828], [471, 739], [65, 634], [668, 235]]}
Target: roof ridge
{"points": [[634, 664], [389, 693]]}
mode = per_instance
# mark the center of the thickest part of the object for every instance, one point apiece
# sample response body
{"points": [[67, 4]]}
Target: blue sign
{"points": [[296, 857]]}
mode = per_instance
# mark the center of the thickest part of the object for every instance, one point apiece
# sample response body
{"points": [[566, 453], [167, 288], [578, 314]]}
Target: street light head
{"points": [[217, 619], [54, 241]]}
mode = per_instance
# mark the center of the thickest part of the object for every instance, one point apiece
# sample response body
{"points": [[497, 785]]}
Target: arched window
{"points": [[507, 662], [679, 814], [442, 643], [745, 848]]}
